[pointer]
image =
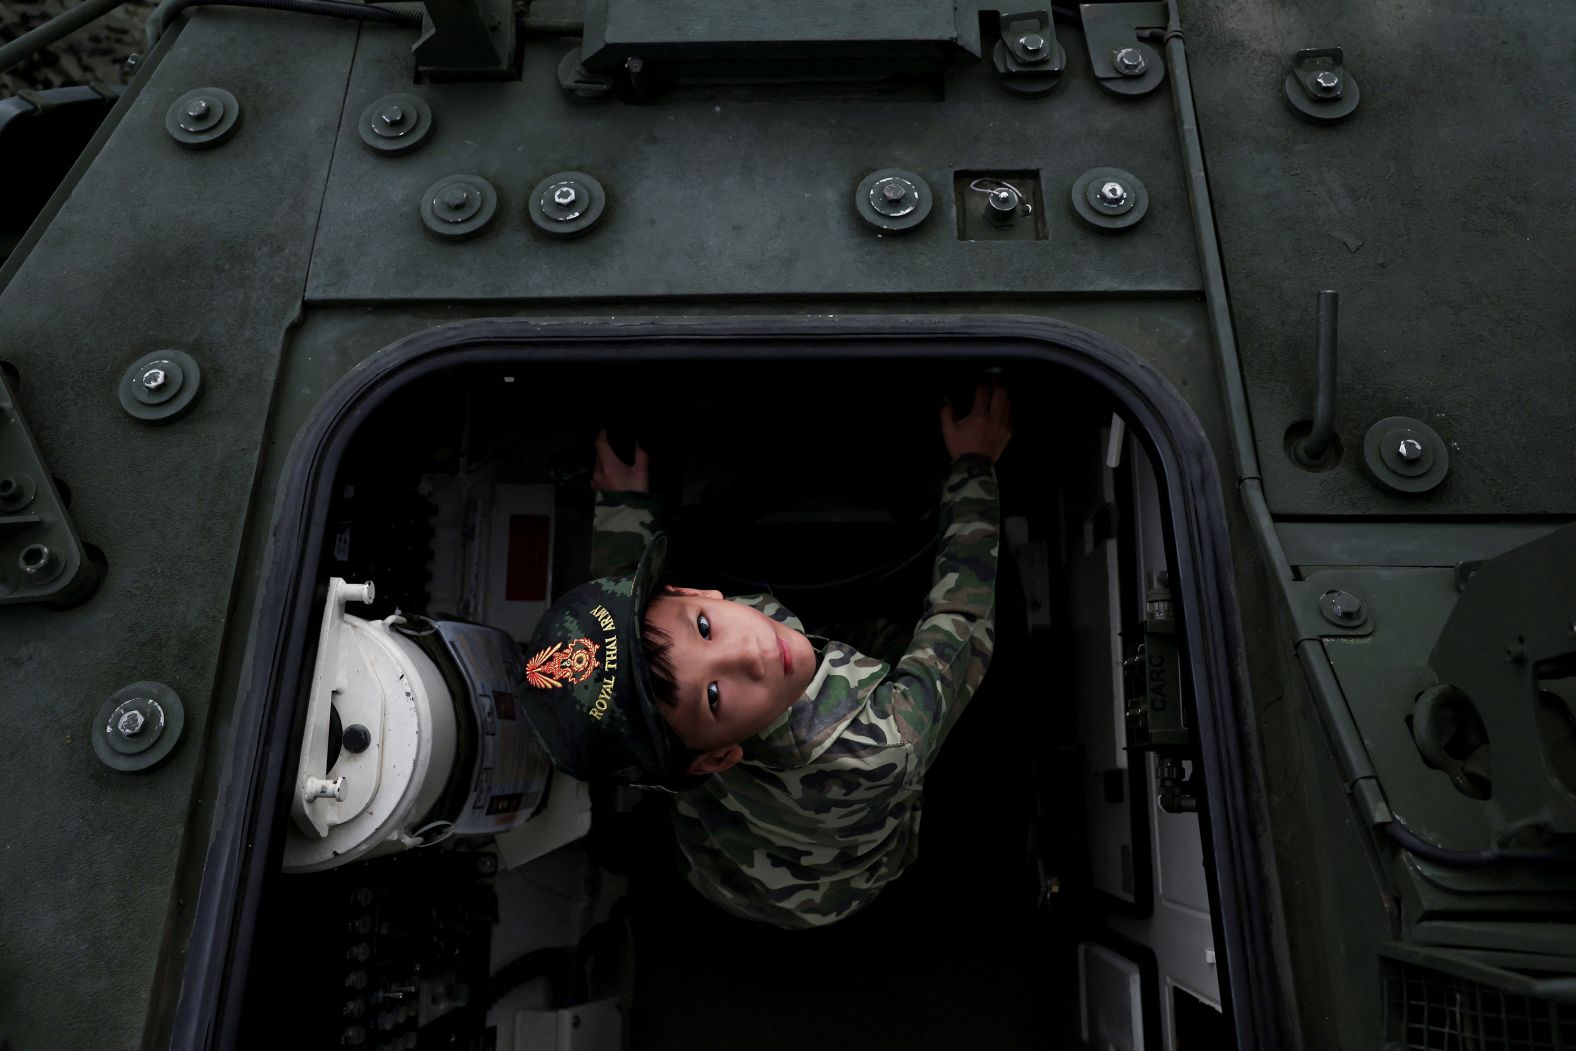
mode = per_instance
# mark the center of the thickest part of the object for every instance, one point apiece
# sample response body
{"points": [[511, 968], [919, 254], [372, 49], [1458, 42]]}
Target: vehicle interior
{"points": [[1061, 897]]}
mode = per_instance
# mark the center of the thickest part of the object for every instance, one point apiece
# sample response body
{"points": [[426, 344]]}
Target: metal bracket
{"points": [[1122, 64], [465, 40], [41, 559], [1027, 58], [1318, 88]]}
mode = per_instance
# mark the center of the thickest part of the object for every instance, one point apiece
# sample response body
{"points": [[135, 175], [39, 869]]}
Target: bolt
{"points": [[1345, 606], [894, 191], [1129, 62], [1410, 450], [153, 379], [1033, 45], [564, 196], [454, 198], [130, 724], [36, 560], [1113, 193], [392, 115], [197, 109], [1326, 82], [356, 738]]}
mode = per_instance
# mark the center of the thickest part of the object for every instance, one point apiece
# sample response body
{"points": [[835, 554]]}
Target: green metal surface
{"points": [[293, 253]]}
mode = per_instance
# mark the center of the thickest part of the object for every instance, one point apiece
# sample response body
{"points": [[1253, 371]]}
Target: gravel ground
{"points": [[95, 52]]}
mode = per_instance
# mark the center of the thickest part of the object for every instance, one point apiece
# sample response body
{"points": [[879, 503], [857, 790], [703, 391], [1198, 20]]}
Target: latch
{"points": [[1123, 63], [41, 559], [1027, 57]]}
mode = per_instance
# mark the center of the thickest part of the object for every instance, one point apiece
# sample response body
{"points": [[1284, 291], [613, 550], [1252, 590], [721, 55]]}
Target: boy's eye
{"points": [[705, 628], [713, 695]]}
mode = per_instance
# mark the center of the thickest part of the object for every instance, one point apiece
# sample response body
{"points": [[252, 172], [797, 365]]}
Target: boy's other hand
{"points": [[612, 475], [986, 428]]}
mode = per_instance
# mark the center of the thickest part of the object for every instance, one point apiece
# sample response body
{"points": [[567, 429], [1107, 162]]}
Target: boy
{"points": [[799, 767]]}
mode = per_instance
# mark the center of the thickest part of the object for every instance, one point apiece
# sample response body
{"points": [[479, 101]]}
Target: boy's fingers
{"points": [[601, 438], [947, 420], [640, 458]]}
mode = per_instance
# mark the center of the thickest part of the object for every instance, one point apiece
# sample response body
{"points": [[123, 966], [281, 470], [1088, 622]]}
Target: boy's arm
{"points": [[622, 526], [625, 518], [945, 662]]}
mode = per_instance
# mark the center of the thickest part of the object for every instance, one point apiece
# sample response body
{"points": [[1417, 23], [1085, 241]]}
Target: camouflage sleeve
{"points": [[623, 525], [946, 660]]}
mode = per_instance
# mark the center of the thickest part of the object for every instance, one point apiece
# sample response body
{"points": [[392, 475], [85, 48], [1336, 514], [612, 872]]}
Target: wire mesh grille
{"points": [[1429, 1011]]}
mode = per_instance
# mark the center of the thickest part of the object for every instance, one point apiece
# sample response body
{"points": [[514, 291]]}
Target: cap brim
{"points": [[642, 592]]}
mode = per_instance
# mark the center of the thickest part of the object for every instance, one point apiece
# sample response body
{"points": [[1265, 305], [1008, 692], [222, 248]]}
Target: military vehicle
{"points": [[306, 334]]}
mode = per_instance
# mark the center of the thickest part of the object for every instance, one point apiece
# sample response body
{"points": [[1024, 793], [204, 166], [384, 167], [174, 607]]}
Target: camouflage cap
{"points": [[586, 693]]}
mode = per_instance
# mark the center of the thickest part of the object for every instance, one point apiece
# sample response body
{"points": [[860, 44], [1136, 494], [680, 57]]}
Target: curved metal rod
{"points": [[1323, 433]]}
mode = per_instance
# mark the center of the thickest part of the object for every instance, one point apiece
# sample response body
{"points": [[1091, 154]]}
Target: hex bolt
{"points": [[454, 198], [894, 191], [1325, 82], [1033, 44], [130, 724], [1410, 450], [1129, 62], [197, 109], [392, 115], [564, 196], [153, 379], [1113, 192]]}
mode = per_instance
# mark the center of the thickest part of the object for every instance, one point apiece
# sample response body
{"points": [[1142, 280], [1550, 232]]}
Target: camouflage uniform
{"points": [[823, 810]]}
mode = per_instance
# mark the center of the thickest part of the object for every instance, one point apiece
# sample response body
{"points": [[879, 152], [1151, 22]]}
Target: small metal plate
{"points": [[158, 720], [1110, 28], [893, 200], [584, 201], [458, 207], [1382, 455], [203, 118], [396, 124], [179, 382], [1094, 211]]}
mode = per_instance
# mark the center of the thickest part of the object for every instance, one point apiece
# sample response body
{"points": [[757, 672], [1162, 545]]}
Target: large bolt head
{"points": [[1410, 450], [1113, 192], [1129, 61], [1032, 44], [894, 191], [564, 196], [197, 109], [392, 115], [454, 197], [130, 724], [1326, 82], [153, 379]]}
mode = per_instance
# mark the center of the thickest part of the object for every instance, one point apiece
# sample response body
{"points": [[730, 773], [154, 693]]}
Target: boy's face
{"points": [[736, 669]]}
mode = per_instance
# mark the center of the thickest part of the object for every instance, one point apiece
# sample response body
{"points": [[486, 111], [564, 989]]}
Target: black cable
{"points": [[1415, 844], [554, 961]]}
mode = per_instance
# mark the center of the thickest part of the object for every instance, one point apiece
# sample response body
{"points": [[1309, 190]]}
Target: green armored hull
{"points": [[1277, 748]]}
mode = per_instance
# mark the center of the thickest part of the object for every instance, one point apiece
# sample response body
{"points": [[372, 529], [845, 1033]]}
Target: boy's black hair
{"points": [[662, 682]]}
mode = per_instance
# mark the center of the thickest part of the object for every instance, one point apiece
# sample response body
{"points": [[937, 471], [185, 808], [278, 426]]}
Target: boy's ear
{"points": [[669, 589], [716, 761]]}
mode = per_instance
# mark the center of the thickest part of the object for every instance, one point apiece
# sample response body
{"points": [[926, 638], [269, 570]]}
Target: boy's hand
{"points": [[986, 429], [612, 475]]}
